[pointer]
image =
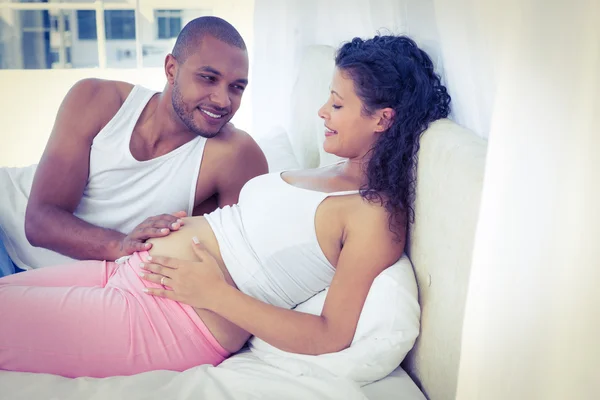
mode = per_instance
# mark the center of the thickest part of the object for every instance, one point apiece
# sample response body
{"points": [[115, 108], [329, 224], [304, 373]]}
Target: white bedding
{"points": [[395, 386], [243, 376]]}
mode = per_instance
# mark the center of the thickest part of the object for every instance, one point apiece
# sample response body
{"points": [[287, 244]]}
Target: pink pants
{"points": [[91, 318]]}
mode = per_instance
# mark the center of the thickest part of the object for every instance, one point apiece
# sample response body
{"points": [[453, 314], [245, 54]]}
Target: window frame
{"points": [[168, 16], [99, 6]]}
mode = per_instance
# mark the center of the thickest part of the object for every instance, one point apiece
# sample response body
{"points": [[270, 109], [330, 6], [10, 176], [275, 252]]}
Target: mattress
{"points": [[242, 376]]}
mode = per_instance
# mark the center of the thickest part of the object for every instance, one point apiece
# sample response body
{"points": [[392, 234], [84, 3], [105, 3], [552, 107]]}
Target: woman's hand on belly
{"points": [[195, 283]]}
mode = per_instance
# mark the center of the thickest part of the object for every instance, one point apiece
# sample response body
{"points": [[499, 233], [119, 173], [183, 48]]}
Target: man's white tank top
{"points": [[121, 191]]}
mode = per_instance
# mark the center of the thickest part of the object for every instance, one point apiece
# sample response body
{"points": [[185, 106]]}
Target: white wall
{"points": [[30, 100]]}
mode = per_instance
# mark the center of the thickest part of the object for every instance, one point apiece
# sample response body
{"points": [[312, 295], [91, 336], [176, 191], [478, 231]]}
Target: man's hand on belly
{"points": [[152, 227]]}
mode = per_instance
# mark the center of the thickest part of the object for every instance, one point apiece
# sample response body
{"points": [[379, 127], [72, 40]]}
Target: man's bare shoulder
{"points": [[234, 153], [231, 135], [95, 101], [100, 91], [235, 142]]}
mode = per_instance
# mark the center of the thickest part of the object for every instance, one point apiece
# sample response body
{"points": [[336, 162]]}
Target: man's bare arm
{"points": [[230, 160], [207, 206], [63, 172], [246, 162]]}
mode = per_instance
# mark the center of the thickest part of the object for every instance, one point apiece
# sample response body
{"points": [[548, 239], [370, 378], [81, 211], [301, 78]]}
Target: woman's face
{"points": [[348, 132]]}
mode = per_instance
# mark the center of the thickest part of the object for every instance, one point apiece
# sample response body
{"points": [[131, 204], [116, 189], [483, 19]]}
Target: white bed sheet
{"points": [[396, 386], [243, 376]]}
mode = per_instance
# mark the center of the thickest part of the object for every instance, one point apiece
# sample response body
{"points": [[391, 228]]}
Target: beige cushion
{"points": [[449, 181]]}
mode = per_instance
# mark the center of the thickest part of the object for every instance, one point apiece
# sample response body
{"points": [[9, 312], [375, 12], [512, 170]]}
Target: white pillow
{"points": [[278, 150], [386, 331]]}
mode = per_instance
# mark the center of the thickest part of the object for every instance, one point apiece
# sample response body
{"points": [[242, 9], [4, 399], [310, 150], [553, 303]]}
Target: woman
{"points": [[291, 235]]}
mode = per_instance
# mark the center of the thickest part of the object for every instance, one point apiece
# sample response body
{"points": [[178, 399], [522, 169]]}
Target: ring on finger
{"points": [[162, 280]]}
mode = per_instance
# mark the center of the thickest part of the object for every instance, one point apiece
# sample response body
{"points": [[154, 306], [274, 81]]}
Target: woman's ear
{"points": [[385, 118]]}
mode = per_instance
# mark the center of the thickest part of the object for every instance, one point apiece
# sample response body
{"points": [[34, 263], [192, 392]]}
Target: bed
{"points": [[241, 377], [450, 176]]}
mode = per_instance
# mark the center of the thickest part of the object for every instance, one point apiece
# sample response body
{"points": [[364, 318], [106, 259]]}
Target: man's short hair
{"points": [[194, 31]]}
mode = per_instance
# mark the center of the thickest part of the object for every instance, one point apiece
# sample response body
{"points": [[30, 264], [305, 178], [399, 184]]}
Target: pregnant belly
{"points": [[178, 244]]}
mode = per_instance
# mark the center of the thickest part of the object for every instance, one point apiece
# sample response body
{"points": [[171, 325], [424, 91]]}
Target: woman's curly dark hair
{"points": [[391, 71]]}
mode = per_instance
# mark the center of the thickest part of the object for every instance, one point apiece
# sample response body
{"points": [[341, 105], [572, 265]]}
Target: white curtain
{"points": [[459, 36], [532, 320], [525, 74], [283, 28]]}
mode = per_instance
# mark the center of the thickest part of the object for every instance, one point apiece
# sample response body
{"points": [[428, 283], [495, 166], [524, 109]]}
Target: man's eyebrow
{"points": [[213, 71], [210, 69]]}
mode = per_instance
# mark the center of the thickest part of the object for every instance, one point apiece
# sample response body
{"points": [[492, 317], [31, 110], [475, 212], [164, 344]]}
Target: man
{"points": [[123, 164]]}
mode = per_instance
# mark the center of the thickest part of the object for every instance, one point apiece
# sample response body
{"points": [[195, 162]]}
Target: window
{"points": [[44, 34], [56, 22], [119, 24], [54, 56], [86, 24], [35, 50], [35, 40], [168, 23]]}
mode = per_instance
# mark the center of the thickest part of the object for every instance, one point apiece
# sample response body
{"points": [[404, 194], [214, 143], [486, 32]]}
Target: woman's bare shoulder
{"points": [[371, 220]]}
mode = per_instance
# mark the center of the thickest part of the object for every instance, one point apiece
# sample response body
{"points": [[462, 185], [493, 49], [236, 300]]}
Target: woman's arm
{"points": [[369, 249]]}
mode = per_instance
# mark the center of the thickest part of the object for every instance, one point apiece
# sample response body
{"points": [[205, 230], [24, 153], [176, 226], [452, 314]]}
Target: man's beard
{"points": [[187, 117]]}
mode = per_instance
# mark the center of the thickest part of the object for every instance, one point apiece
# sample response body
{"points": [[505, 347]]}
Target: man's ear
{"points": [[171, 66], [385, 118]]}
